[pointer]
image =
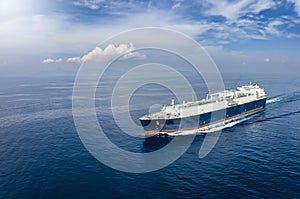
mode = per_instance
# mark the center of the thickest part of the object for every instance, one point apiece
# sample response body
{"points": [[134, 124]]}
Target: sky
{"points": [[56, 36]]}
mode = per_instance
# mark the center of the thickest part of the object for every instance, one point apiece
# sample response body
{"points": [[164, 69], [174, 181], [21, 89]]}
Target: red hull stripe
{"points": [[153, 132]]}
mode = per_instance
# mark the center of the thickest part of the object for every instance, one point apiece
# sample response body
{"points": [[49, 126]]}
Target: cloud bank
{"points": [[126, 51], [230, 25]]}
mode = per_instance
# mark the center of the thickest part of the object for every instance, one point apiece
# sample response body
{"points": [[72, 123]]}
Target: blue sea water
{"points": [[42, 156]]}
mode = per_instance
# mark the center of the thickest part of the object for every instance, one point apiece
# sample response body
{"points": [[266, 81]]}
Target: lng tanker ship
{"points": [[217, 109]]}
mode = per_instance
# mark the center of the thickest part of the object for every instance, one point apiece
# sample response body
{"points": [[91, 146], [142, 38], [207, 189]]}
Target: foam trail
{"points": [[273, 100], [210, 129]]}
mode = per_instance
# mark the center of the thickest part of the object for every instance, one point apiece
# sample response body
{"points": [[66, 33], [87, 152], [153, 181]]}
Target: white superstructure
{"points": [[213, 102]]}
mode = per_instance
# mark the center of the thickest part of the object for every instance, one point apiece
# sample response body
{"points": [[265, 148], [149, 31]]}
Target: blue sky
{"points": [[38, 36]]}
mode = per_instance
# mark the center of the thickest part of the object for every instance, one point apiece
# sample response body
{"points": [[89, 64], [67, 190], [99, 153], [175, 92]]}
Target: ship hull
{"points": [[156, 126]]}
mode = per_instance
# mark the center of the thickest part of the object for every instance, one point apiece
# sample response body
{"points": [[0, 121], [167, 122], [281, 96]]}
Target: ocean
{"points": [[42, 156]]}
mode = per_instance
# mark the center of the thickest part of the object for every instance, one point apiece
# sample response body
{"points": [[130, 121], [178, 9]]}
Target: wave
{"points": [[17, 95], [282, 115], [58, 87], [292, 97], [285, 98], [282, 100], [24, 118]]}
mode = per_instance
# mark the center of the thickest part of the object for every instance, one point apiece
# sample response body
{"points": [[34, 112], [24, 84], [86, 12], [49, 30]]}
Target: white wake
{"points": [[209, 129], [273, 100]]}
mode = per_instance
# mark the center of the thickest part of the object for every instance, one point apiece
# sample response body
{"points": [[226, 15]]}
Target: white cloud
{"points": [[261, 5], [232, 10], [126, 51], [297, 5], [291, 35], [271, 28], [99, 54], [92, 4], [50, 60], [59, 60], [177, 4], [192, 29], [74, 59]]}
